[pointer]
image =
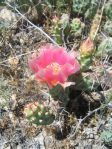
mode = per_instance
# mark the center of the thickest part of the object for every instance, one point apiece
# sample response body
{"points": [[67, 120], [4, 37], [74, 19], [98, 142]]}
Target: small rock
{"points": [[19, 147], [8, 17], [96, 137], [40, 141], [88, 147], [91, 136], [8, 147]]}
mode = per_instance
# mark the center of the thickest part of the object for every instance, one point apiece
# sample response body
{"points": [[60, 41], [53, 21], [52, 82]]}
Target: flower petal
{"points": [[60, 56], [68, 69], [54, 79]]}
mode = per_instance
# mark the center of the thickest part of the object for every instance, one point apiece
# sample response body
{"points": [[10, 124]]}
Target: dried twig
{"points": [[36, 27], [100, 20], [73, 133], [109, 105]]}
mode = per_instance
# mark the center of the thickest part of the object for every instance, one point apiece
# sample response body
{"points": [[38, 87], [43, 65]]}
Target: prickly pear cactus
{"points": [[87, 47], [95, 24], [87, 8], [108, 27], [80, 6], [60, 28], [57, 33], [38, 114], [108, 9], [87, 50], [61, 5], [91, 11], [76, 26], [64, 21], [85, 82], [105, 47], [58, 93]]}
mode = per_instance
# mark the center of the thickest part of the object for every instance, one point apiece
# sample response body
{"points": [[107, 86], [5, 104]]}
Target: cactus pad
{"points": [[38, 114]]}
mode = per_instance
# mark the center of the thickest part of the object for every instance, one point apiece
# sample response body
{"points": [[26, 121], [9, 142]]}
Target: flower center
{"points": [[55, 68]]}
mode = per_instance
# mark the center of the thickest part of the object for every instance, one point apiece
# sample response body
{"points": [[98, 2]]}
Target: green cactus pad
{"points": [[38, 114], [108, 9], [80, 6], [58, 93], [108, 27], [105, 48], [85, 82], [86, 63], [61, 27], [57, 33], [76, 26]]}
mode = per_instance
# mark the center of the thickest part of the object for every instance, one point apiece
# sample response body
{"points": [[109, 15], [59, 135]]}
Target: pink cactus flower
{"points": [[53, 65]]}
